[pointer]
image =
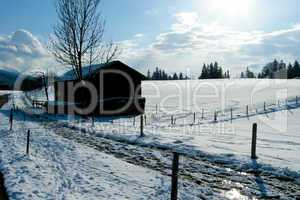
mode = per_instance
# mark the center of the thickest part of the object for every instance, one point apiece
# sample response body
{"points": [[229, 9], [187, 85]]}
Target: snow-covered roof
{"points": [[88, 70], [69, 75]]}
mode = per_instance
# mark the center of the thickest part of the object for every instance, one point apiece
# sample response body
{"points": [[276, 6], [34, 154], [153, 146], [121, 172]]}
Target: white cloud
{"points": [[188, 43], [22, 51], [285, 42], [185, 20], [191, 43], [139, 35]]}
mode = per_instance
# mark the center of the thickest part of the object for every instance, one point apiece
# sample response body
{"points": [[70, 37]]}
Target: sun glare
{"points": [[232, 7]]}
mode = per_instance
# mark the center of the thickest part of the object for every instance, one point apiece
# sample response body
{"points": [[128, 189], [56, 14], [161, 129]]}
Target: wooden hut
{"points": [[106, 89]]}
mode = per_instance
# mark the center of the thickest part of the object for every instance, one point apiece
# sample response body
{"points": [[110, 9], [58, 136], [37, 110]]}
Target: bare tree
{"points": [[78, 36]]}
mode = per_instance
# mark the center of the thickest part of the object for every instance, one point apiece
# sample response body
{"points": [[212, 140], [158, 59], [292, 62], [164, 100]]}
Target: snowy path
{"points": [[58, 168], [213, 178]]}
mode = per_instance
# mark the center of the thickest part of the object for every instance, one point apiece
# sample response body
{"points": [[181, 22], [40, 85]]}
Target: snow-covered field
{"points": [[278, 137], [77, 171], [278, 131], [193, 95]]}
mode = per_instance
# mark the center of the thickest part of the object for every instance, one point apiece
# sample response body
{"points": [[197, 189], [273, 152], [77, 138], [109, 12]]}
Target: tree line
{"points": [[160, 74], [248, 74], [213, 71], [280, 69], [272, 70], [209, 71], [275, 69]]}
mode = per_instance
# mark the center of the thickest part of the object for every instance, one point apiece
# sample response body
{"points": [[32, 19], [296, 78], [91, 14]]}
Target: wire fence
{"points": [[161, 120]]}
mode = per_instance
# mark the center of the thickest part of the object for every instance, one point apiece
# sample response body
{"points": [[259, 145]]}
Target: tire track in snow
{"points": [[216, 176]]}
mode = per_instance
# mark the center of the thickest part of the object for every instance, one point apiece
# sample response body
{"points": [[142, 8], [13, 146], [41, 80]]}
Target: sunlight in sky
{"points": [[232, 7], [171, 34]]}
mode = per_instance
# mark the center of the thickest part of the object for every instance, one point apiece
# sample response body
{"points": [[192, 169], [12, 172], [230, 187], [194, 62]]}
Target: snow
{"points": [[60, 169], [278, 130], [278, 155], [57, 168], [192, 95], [278, 139]]}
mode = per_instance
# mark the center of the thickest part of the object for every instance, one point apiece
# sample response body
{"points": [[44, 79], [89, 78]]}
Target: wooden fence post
{"points": [[254, 137], [265, 106], [174, 191], [231, 114], [93, 120], [194, 117], [28, 140], [172, 120], [142, 126], [202, 113], [215, 116], [145, 119], [247, 111], [11, 119]]}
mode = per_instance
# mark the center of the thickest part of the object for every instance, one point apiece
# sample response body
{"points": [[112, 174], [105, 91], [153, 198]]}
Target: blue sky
{"points": [[173, 34]]}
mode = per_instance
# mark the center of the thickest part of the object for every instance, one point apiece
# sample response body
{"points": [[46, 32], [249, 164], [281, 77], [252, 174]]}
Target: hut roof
{"points": [[89, 71]]}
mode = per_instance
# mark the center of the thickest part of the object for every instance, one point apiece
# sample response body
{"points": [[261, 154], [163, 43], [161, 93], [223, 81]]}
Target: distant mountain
{"points": [[7, 78]]}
